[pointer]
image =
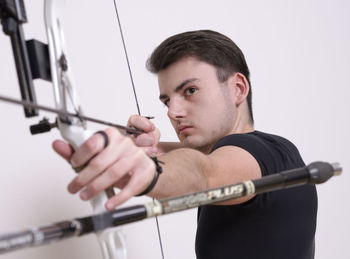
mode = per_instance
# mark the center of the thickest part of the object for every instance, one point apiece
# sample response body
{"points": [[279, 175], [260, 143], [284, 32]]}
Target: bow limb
{"points": [[73, 130]]}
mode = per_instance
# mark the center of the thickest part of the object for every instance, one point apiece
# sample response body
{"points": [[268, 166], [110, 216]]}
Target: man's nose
{"points": [[176, 109]]}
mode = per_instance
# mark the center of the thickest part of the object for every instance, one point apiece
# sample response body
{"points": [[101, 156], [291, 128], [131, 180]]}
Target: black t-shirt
{"points": [[274, 225]]}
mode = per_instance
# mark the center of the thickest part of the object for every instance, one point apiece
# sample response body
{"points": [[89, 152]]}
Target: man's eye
{"points": [[190, 90], [166, 103]]}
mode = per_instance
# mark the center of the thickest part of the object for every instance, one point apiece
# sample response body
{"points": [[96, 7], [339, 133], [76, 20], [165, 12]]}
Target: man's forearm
{"points": [[183, 172]]}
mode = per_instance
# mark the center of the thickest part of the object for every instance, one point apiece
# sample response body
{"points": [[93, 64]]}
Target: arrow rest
{"points": [[43, 126]]}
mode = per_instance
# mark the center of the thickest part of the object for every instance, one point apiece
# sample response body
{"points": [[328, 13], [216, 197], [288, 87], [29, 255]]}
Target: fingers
{"points": [[141, 123], [63, 149], [138, 178], [98, 179], [121, 164], [91, 147], [135, 186], [150, 139], [114, 174], [144, 140], [99, 163]]}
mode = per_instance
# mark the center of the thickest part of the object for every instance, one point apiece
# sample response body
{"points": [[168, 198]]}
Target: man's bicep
{"points": [[165, 147], [230, 165]]}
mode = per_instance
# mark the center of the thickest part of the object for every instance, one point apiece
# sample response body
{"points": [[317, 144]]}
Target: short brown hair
{"points": [[208, 46]]}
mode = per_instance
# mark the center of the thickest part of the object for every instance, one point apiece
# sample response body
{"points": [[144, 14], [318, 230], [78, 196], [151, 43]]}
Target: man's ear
{"points": [[241, 87]]}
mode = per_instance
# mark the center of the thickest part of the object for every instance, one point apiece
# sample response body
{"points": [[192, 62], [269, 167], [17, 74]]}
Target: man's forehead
{"points": [[182, 72]]}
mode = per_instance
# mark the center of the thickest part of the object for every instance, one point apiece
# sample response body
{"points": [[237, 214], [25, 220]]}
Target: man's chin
{"points": [[192, 142]]}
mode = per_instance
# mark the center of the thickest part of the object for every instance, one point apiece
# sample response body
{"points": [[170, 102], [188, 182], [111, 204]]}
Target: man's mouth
{"points": [[183, 129]]}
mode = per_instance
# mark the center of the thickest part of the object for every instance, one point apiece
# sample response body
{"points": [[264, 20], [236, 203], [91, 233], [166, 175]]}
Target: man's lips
{"points": [[183, 129]]}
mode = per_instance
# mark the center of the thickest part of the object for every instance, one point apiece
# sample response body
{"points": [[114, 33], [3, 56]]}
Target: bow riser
{"points": [[73, 129]]}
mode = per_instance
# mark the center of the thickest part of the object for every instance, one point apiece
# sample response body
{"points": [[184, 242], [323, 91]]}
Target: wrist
{"points": [[154, 181]]}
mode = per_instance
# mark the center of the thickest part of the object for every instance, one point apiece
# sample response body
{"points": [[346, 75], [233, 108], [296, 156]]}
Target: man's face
{"points": [[200, 107]]}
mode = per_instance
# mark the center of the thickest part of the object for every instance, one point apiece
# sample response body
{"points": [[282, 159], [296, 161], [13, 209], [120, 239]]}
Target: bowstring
{"points": [[126, 57], [137, 104]]}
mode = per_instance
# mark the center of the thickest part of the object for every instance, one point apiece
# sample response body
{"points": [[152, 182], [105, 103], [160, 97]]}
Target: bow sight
{"points": [[31, 57]]}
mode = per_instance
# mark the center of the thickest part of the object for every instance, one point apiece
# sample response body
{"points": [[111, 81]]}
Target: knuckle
{"points": [[110, 131], [139, 154], [78, 181], [126, 194], [96, 165], [91, 145], [93, 188], [119, 138], [126, 141], [114, 174]]}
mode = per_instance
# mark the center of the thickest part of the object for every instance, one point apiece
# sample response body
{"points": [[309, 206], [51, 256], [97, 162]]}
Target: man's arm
{"points": [[165, 147], [125, 165], [187, 170]]}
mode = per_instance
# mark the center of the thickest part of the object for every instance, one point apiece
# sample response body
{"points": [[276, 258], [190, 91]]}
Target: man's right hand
{"points": [[149, 140]]}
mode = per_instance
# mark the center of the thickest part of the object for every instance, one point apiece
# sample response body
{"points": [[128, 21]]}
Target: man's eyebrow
{"points": [[179, 87]]}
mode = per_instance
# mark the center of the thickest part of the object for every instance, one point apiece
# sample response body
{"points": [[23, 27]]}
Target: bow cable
{"points": [[137, 103]]}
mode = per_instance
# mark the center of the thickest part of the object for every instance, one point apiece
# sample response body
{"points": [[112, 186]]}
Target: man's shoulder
{"points": [[273, 153], [255, 138]]}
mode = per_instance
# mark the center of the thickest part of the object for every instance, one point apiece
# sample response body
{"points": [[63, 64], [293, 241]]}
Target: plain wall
{"points": [[299, 57]]}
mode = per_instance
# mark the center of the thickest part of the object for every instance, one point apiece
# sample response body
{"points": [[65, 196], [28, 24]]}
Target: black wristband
{"points": [[159, 170]]}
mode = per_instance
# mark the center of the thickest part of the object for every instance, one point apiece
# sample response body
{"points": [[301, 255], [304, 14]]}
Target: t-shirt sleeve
{"points": [[262, 153]]}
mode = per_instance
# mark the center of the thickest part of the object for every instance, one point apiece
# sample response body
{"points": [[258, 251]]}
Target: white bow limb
{"points": [[73, 129]]}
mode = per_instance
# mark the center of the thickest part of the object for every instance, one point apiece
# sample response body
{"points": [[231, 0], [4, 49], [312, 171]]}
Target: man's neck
{"points": [[241, 129]]}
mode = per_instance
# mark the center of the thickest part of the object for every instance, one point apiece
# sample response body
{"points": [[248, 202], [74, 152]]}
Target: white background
{"points": [[299, 57]]}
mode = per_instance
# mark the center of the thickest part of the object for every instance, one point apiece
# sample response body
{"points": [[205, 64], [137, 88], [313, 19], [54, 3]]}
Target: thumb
{"points": [[144, 140], [63, 149]]}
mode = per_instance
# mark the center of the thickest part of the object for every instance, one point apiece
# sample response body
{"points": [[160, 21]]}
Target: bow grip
{"points": [[76, 136]]}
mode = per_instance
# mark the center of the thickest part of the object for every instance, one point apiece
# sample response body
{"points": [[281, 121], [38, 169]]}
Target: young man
{"points": [[204, 82]]}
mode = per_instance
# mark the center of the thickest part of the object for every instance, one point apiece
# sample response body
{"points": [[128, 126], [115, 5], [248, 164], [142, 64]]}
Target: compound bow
{"points": [[35, 59]]}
